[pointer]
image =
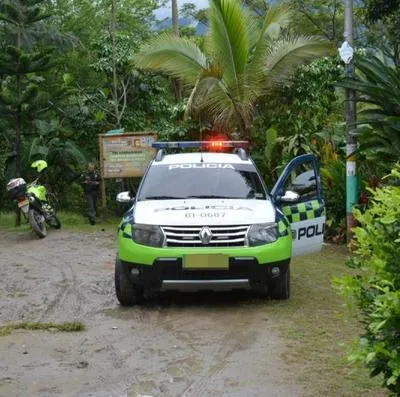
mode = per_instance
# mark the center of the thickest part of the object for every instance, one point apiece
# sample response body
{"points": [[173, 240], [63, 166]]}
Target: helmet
{"points": [[39, 165]]}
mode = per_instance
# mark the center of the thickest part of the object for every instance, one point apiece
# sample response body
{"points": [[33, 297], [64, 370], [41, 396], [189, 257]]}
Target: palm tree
{"points": [[241, 59]]}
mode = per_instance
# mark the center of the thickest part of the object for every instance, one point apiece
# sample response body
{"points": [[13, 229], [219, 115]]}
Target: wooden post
{"points": [[103, 183]]}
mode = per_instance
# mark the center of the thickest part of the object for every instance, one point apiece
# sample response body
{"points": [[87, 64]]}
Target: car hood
{"points": [[195, 212]]}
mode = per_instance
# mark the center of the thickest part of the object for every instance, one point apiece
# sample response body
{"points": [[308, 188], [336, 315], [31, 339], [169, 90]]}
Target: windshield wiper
{"points": [[210, 196], [161, 198]]}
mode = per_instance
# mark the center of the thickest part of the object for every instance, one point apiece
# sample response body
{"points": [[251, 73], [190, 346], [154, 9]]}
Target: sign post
{"points": [[125, 155]]}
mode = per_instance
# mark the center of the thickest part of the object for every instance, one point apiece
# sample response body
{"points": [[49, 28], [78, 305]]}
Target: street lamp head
{"points": [[346, 52]]}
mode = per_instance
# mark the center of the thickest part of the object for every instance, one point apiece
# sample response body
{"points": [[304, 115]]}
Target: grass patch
{"points": [[69, 221], [80, 223], [319, 329], [74, 326], [7, 221]]}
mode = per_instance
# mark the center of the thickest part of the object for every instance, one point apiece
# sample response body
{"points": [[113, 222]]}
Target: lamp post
{"points": [[352, 187]]}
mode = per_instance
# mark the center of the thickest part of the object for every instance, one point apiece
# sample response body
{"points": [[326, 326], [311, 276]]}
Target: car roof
{"points": [[206, 157]]}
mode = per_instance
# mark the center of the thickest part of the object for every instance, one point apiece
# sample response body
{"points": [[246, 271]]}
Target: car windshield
{"points": [[202, 180]]}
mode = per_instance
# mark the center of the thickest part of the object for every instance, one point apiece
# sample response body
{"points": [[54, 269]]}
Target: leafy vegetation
{"points": [[378, 83], [375, 284], [25, 56], [238, 63], [78, 80]]}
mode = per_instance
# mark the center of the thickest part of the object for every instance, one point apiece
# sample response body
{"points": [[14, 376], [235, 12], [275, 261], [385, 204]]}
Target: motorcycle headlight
{"points": [[263, 233], [148, 235]]}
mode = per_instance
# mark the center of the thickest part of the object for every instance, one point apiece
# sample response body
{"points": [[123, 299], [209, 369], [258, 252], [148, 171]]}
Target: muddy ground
{"points": [[206, 344]]}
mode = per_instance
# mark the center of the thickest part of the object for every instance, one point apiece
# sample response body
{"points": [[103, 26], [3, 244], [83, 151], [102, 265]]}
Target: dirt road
{"points": [[176, 345]]}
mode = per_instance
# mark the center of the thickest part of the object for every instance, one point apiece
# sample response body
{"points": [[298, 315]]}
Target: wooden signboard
{"points": [[126, 155]]}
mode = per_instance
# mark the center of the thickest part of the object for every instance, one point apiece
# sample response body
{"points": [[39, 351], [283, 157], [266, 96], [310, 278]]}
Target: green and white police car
{"points": [[206, 221]]}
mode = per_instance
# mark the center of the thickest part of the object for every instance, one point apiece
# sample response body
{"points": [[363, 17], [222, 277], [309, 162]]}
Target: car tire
{"points": [[128, 293], [261, 290], [279, 288]]}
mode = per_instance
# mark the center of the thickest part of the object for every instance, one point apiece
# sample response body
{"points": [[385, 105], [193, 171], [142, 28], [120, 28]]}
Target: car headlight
{"points": [[262, 233], [148, 235]]}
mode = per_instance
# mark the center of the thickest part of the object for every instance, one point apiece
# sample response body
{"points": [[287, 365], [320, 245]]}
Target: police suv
{"points": [[206, 221]]}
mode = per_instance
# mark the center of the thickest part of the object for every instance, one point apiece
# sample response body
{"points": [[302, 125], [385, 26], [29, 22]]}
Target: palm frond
{"points": [[276, 19], [288, 53], [229, 111], [373, 92], [229, 42], [179, 57], [378, 83], [200, 92], [377, 72]]}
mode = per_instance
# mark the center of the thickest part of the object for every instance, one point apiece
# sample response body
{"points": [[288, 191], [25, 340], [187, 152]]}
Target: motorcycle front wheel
{"points": [[38, 223]]}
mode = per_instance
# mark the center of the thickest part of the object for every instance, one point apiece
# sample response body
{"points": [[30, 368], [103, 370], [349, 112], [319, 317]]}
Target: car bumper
{"points": [[169, 274]]}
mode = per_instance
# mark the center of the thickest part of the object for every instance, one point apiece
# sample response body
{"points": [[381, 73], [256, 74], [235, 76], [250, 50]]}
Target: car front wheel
{"points": [[127, 292], [279, 288]]}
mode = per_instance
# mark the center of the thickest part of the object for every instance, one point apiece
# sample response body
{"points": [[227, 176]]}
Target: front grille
{"points": [[189, 236]]}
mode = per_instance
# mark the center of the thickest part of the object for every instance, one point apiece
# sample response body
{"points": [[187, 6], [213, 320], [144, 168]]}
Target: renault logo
{"points": [[205, 235]]}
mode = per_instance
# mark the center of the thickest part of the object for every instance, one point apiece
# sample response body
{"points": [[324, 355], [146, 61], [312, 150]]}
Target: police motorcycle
{"points": [[32, 200]]}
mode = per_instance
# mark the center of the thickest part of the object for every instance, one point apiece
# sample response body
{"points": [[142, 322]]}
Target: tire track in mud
{"points": [[230, 340], [185, 345], [229, 343], [73, 293], [69, 298]]}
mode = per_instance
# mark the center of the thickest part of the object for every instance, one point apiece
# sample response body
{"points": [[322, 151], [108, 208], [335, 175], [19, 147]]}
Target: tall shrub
{"points": [[375, 285]]}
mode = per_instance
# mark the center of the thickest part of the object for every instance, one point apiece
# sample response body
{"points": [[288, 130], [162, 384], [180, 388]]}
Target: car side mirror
{"points": [[289, 197], [125, 198]]}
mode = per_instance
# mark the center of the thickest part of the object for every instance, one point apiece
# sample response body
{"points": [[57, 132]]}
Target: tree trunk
{"points": [[175, 17], [18, 133], [18, 128], [118, 116], [175, 24]]}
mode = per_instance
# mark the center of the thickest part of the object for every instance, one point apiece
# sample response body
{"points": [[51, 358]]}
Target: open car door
{"points": [[298, 195]]}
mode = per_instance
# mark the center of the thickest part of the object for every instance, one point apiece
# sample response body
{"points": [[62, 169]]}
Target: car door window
{"points": [[303, 181]]}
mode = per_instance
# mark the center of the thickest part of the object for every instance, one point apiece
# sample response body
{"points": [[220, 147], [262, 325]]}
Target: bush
{"points": [[375, 286], [334, 182]]}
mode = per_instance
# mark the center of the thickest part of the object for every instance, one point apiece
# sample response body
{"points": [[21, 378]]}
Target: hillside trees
{"points": [[25, 56]]}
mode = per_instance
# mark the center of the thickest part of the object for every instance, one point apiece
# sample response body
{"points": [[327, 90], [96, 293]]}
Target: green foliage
{"points": [[381, 9], [63, 109], [303, 113], [269, 159], [334, 183], [308, 103], [378, 83], [26, 54], [375, 284], [240, 61], [322, 17]]}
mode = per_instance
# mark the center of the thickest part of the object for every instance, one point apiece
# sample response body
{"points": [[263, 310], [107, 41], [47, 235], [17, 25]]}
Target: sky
{"points": [[166, 11]]}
